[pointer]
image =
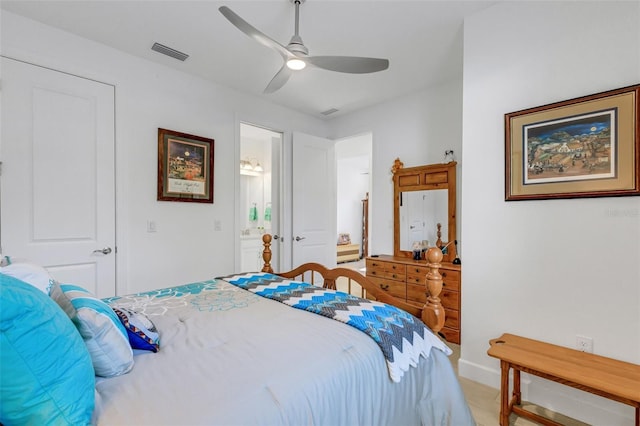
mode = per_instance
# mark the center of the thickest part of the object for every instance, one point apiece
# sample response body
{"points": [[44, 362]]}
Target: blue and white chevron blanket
{"points": [[402, 337]]}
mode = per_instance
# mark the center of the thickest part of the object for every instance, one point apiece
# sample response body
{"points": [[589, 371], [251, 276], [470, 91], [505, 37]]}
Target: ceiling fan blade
{"points": [[252, 32], [348, 64], [279, 79]]}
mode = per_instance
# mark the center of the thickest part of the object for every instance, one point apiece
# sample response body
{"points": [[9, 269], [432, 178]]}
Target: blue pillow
{"points": [[104, 335], [46, 376], [142, 332]]}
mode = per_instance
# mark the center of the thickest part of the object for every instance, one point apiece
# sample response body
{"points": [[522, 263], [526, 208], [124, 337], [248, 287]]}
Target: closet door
{"points": [[58, 174]]}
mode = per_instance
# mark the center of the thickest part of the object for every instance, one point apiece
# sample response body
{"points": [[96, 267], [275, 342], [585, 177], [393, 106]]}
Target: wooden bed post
{"points": [[433, 312], [266, 253]]}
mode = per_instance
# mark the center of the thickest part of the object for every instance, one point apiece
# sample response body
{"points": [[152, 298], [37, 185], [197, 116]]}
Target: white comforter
{"points": [[231, 357]]}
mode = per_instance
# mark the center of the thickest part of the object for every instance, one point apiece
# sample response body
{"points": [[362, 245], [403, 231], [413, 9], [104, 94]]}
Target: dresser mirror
{"points": [[420, 213], [424, 197]]}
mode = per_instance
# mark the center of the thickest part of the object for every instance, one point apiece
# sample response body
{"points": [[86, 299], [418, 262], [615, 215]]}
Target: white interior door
{"points": [[314, 200], [58, 176], [276, 203]]}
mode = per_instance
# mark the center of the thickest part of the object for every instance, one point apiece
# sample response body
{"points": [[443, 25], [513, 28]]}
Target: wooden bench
{"points": [[606, 377]]}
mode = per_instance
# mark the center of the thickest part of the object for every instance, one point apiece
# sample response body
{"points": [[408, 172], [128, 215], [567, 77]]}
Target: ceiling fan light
{"points": [[296, 64]]}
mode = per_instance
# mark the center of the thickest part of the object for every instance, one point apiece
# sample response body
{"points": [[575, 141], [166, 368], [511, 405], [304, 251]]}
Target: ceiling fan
{"points": [[296, 55]]}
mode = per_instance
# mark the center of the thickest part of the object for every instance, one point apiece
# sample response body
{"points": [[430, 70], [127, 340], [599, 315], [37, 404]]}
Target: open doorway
{"points": [[259, 197], [353, 166]]}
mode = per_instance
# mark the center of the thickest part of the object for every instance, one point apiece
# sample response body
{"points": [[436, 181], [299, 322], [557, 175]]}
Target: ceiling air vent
{"points": [[329, 111], [176, 54]]}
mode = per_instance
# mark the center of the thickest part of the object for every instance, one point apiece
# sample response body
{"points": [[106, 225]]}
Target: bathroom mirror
{"points": [[424, 196]]}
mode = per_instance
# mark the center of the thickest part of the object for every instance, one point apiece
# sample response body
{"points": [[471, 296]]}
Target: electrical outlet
{"points": [[217, 225], [584, 344]]}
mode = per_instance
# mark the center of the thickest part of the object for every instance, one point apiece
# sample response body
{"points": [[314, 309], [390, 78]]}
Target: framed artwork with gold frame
{"points": [[582, 147]]}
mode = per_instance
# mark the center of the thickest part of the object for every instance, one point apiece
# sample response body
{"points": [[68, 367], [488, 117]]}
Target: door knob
{"points": [[105, 250], [299, 238], [276, 237]]}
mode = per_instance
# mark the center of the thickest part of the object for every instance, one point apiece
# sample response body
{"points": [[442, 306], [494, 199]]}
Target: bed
{"points": [[238, 350]]}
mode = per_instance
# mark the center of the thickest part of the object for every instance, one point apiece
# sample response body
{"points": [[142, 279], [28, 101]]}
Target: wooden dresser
{"points": [[347, 252], [404, 278]]}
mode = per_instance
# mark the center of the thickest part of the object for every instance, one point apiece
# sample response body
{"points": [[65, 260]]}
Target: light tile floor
{"points": [[483, 400]]}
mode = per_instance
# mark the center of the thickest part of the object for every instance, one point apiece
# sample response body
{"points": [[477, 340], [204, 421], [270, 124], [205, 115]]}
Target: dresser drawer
{"points": [[396, 289], [450, 279], [375, 264], [451, 335], [416, 274], [388, 270], [396, 276], [417, 293], [450, 299], [387, 275], [452, 319]]}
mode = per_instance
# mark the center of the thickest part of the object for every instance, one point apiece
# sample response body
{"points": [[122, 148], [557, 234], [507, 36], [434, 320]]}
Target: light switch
{"points": [[151, 226]]}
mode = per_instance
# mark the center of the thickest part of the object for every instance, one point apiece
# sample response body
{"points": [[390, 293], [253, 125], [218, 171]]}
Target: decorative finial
{"points": [[397, 165]]}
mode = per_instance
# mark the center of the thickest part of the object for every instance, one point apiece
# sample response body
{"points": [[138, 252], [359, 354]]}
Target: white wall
{"points": [[186, 247], [417, 128], [547, 269]]}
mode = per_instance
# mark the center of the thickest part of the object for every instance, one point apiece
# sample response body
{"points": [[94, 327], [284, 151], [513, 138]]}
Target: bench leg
{"points": [[504, 393], [517, 399]]}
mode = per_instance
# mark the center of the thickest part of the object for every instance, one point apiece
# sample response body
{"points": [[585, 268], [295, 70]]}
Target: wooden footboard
{"points": [[432, 313]]}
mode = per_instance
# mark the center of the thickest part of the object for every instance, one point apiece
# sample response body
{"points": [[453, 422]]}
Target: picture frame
{"points": [[344, 239], [185, 167], [583, 147]]}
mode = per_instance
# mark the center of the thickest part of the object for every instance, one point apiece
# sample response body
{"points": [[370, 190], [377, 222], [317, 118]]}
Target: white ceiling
{"points": [[421, 38]]}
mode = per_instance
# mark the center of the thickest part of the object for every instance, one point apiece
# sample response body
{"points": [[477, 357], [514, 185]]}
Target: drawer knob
{"points": [[384, 286]]}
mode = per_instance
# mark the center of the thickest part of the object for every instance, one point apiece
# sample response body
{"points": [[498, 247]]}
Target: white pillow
{"points": [[30, 273], [103, 333]]}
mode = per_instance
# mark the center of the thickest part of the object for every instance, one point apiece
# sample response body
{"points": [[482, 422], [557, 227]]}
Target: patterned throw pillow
{"points": [[46, 376], [99, 326], [142, 332]]}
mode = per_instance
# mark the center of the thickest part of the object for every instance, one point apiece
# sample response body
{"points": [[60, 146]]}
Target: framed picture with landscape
{"points": [[583, 147], [185, 167]]}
